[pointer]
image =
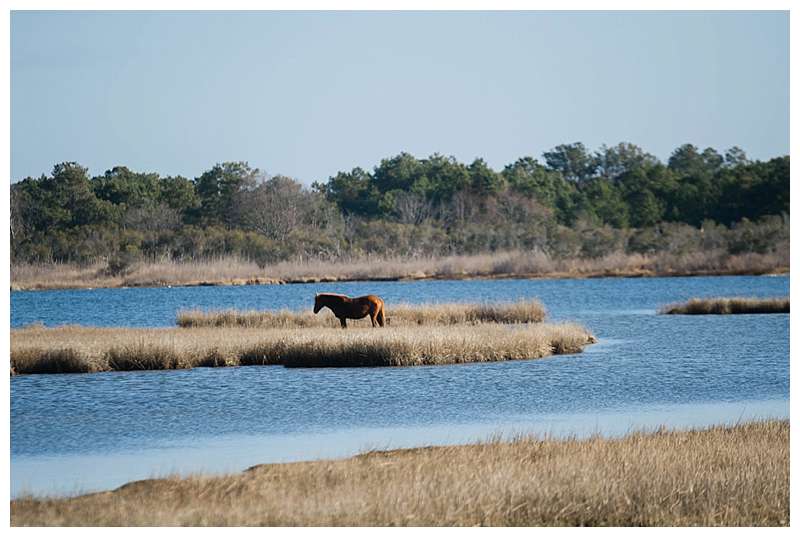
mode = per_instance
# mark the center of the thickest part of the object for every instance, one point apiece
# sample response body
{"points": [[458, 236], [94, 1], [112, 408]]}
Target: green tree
{"points": [[698, 189], [572, 160], [637, 187], [66, 199], [771, 193], [122, 186], [613, 162], [529, 177], [353, 192], [219, 189], [644, 208], [606, 202], [687, 160], [735, 157], [483, 179], [397, 173], [442, 178], [179, 193]]}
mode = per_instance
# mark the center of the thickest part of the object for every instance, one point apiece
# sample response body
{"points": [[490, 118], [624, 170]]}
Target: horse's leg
{"points": [[372, 316], [343, 321]]}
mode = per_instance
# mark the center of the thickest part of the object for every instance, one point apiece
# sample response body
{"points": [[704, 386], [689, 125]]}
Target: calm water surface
{"points": [[75, 433]]}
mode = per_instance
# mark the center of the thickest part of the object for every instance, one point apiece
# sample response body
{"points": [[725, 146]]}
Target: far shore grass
{"points": [[522, 311], [511, 264], [719, 476], [75, 349], [726, 306]]}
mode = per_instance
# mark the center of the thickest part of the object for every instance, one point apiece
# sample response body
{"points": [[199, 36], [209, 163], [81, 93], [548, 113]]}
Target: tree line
{"points": [[573, 203]]}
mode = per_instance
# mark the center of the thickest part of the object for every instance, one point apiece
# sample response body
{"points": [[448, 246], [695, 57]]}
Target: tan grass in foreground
{"points": [[83, 349], [235, 271], [704, 306], [527, 311], [723, 476]]}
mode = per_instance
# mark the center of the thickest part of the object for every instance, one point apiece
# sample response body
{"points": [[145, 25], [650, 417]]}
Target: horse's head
{"points": [[317, 304]]}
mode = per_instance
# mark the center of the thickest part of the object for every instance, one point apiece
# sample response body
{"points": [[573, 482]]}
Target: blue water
{"points": [[73, 433], [563, 298]]}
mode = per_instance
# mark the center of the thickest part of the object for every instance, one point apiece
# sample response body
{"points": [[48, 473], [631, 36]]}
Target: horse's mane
{"points": [[332, 294]]}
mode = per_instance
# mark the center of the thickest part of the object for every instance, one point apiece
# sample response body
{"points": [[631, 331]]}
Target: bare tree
{"points": [[516, 207], [152, 217], [321, 214], [464, 208], [275, 207], [412, 208], [457, 209], [17, 205]]}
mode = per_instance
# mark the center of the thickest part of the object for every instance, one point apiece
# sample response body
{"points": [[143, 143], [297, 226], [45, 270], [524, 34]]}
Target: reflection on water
{"points": [[90, 431]]}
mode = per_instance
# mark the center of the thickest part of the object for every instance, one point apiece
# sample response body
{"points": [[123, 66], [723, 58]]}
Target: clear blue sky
{"points": [[309, 94]]}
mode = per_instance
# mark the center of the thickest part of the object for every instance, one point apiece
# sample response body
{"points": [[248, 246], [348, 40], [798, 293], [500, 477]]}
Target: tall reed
{"points": [[523, 311], [236, 271], [720, 476], [84, 349], [724, 306], [404, 347]]}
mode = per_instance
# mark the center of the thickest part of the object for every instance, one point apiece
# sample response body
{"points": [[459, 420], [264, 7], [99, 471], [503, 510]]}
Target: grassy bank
{"points": [[722, 476], [234, 271], [75, 349], [705, 306], [523, 311]]}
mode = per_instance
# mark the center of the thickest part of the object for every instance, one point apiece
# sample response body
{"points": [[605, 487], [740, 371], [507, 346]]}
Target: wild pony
{"points": [[345, 307]]}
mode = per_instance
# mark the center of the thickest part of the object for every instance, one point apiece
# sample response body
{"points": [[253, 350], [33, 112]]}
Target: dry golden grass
{"points": [[524, 311], [704, 306], [514, 264], [84, 349], [722, 476], [229, 271]]}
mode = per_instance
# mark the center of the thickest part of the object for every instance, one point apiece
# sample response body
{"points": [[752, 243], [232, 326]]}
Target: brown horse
{"points": [[345, 307]]}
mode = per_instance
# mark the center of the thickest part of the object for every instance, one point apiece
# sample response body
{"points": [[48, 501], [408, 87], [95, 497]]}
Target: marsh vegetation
{"points": [[234, 270], [721, 476], [523, 311], [724, 306], [75, 349]]}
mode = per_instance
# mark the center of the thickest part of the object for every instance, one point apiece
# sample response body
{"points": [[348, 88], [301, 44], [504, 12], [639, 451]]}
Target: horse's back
{"points": [[371, 300], [336, 296]]}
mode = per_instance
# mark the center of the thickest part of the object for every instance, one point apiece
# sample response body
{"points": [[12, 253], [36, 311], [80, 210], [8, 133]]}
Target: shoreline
{"points": [[224, 282], [724, 475]]}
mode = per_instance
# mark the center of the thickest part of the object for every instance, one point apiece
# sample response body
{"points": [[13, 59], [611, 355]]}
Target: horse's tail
{"points": [[381, 315]]}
